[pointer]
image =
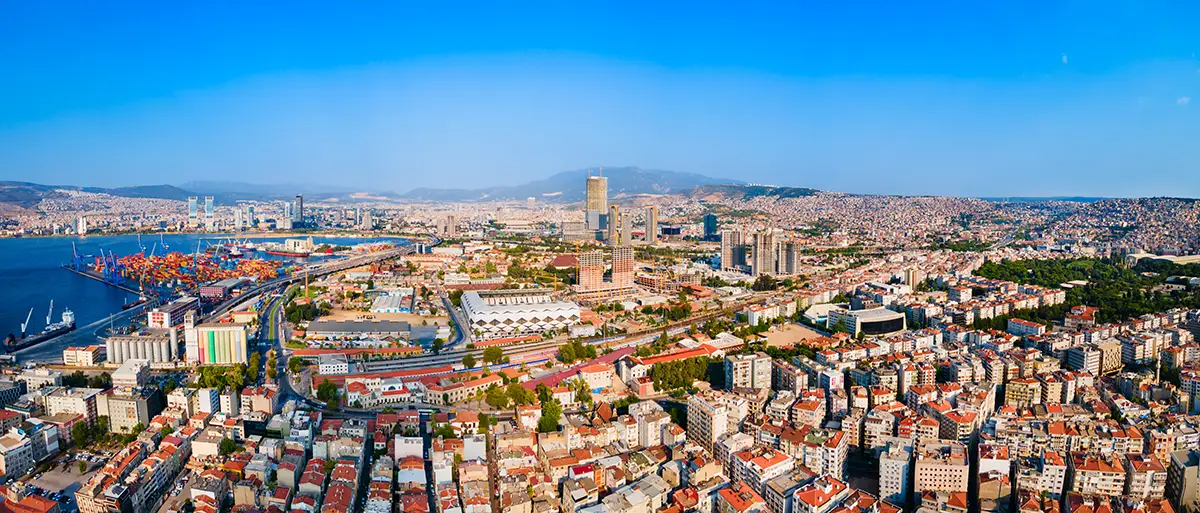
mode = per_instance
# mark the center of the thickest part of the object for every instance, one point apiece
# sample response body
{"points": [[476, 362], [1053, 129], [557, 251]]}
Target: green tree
{"points": [[104, 380], [444, 431], [566, 353], [227, 446], [551, 414], [326, 390], [582, 394], [437, 345], [76, 379], [544, 394], [493, 354], [83, 466], [496, 397], [81, 433], [485, 421], [519, 395], [468, 361], [295, 363], [236, 377]]}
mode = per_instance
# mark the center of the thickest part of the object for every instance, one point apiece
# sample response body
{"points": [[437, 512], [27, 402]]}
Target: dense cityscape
{"points": [[722, 351], [599, 257]]}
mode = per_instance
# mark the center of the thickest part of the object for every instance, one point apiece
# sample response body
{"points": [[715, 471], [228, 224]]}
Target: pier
{"points": [[100, 278]]}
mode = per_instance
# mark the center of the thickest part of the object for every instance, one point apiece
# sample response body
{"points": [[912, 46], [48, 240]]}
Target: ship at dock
{"points": [[297, 248], [66, 325]]}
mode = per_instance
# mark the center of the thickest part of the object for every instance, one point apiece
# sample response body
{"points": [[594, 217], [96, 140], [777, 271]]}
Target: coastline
{"points": [[225, 235]]}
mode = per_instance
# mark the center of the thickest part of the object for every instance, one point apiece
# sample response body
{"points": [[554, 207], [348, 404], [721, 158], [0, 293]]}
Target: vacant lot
{"points": [[790, 335]]}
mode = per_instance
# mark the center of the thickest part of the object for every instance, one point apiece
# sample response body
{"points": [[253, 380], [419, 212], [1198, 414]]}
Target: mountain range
{"points": [[563, 187], [567, 186], [571, 186]]}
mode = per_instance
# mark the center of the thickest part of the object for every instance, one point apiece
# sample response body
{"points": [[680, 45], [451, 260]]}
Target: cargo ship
{"points": [[66, 325], [127, 305], [287, 253], [296, 248]]}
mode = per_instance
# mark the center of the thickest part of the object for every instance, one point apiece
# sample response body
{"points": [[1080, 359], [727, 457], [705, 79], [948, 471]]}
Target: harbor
{"points": [[71, 271]]}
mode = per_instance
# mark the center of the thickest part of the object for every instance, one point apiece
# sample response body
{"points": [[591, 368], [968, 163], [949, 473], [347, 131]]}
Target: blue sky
{"points": [[1077, 98]]}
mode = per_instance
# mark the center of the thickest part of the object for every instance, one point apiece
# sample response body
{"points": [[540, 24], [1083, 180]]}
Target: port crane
{"points": [[25, 324], [50, 314]]}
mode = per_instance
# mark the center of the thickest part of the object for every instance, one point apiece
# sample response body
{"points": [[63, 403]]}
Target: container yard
{"points": [[181, 272]]}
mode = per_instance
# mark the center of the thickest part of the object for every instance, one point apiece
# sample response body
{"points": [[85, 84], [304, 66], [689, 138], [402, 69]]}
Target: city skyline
{"points": [[970, 102]]}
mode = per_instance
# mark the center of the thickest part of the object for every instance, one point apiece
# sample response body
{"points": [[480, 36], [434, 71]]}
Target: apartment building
{"points": [[941, 466], [1096, 474], [88, 356], [748, 371], [759, 465], [1145, 476], [129, 407], [895, 463], [711, 415], [1183, 479], [16, 455], [77, 401]]}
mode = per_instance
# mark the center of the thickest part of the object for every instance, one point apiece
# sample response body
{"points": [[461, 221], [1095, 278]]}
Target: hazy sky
{"points": [[1081, 98]]}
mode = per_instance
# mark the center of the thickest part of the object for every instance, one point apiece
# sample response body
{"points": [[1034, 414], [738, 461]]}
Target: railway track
{"points": [[539, 352]]}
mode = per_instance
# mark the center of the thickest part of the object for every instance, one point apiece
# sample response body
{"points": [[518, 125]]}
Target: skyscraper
{"points": [[237, 219], [710, 227], [763, 259], [298, 211], [530, 202], [250, 221], [193, 207], [626, 231], [652, 225], [614, 224], [789, 254], [731, 248], [449, 226], [209, 208], [591, 270], [597, 201], [622, 267]]}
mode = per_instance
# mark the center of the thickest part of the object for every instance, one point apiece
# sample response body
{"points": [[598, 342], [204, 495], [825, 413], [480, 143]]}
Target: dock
{"points": [[100, 278]]}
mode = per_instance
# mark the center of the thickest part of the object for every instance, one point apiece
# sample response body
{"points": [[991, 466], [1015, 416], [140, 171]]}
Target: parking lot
{"points": [[64, 483]]}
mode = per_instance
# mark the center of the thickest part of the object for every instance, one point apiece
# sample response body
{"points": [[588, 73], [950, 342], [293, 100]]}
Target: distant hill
{"points": [[170, 192], [27, 194], [23, 194], [244, 190], [1037, 199], [570, 186], [745, 192]]}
